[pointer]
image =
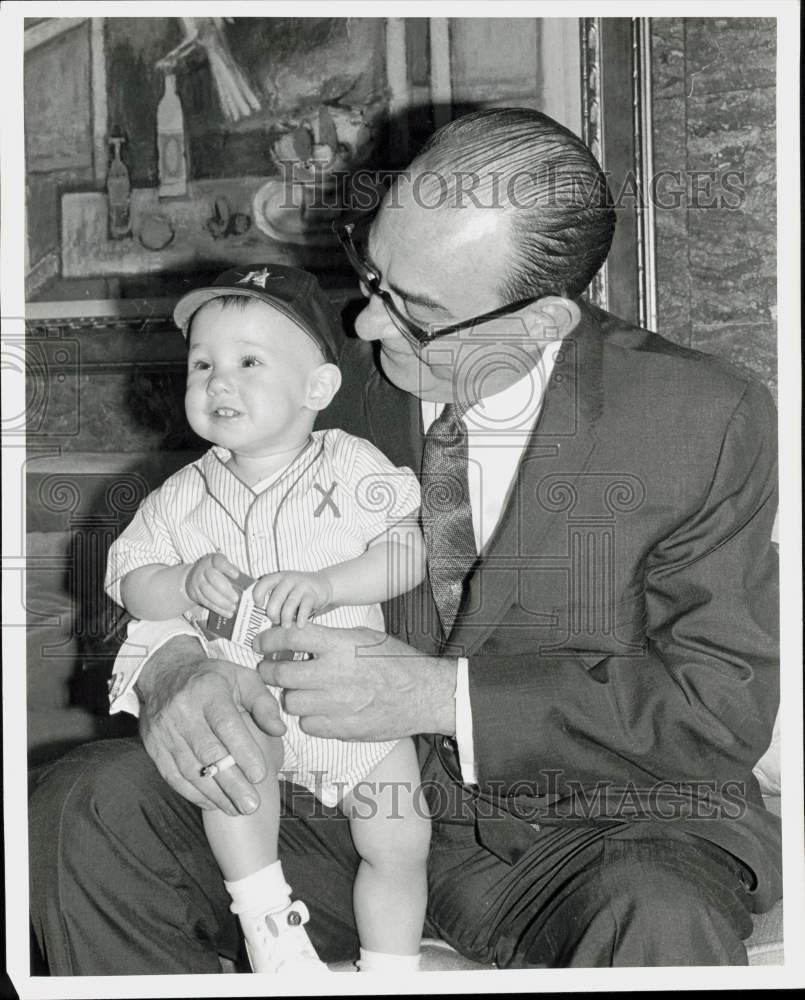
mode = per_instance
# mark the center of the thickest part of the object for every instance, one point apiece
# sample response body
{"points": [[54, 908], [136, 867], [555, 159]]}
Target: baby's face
{"points": [[247, 378]]}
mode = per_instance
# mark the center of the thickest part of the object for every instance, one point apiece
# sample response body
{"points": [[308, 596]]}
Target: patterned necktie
{"points": [[446, 512]]}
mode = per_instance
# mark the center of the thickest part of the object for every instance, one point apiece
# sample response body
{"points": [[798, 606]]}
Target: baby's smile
{"points": [[226, 412]]}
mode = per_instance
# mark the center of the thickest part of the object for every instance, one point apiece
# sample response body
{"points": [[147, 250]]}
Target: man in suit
{"points": [[593, 662]]}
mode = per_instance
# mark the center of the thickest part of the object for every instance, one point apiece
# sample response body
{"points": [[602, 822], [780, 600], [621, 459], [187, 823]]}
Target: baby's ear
{"points": [[323, 383]]}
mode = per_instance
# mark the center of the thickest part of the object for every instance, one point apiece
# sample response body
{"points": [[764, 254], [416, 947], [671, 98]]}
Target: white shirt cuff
{"points": [[466, 749], [143, 639]]}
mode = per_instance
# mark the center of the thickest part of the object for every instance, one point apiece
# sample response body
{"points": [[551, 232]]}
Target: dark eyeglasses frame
{"points": [[416, 335]]}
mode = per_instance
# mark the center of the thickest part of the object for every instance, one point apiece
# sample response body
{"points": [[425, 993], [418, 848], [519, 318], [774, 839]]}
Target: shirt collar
{"points": [[512, 409]]}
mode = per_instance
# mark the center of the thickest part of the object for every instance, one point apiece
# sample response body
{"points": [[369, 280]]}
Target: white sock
{"points": [[264, 891], [378, 961]]}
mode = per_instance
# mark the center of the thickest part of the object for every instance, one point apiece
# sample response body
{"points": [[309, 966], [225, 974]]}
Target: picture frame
{"points": [[592, 73]]}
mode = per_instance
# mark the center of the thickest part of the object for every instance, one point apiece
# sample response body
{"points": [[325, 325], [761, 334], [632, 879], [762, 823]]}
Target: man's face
{"points": [[247, 378], [443, 265]]}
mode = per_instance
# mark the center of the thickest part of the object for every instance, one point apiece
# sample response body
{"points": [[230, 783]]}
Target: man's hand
{"points": [[293, 597], [361, 684], [191, 714]]}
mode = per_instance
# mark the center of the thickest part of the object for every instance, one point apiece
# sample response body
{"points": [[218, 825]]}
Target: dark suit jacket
{"points": [[621, 627]]}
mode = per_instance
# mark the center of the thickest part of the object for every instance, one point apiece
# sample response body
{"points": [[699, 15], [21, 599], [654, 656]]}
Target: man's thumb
{"points": [[258, 701]]}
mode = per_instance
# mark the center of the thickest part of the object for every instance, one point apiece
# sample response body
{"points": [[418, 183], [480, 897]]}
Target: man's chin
{"points": [[408, 373], [417, 378], [399, 367]]}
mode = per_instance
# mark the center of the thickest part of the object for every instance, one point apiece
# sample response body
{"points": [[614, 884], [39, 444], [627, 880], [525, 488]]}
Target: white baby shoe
{"points": [[278, 942]]}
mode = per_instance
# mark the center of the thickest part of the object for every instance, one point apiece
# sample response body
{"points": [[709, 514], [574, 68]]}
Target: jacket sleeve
{"points": [[698, 702]]}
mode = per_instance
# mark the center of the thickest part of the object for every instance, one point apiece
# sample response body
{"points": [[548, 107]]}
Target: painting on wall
{"points": [[197, 142], [161, 151]]}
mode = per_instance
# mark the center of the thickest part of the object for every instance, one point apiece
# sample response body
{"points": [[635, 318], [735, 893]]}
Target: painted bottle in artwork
{"points": [[171, 143], [118, 191]]}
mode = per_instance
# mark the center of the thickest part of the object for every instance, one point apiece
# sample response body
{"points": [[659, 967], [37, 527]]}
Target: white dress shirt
{"points": [[498, 429]]}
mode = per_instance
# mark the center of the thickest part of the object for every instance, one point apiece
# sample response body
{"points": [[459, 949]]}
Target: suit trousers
{"points": [[123, 883]]}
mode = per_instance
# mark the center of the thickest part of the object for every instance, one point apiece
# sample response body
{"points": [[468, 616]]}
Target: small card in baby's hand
{"points": [[248, 620]]}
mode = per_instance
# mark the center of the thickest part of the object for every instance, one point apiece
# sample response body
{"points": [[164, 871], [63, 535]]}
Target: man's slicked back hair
{"points": [[562, 219]]}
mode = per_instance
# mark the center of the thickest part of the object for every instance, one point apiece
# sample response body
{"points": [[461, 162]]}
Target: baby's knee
{"points": [[416, 837], [397, 841]]}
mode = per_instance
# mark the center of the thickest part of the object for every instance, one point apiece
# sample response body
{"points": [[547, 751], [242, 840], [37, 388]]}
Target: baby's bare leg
{"points": [[391, 831], [245, 844], [246, 850]]}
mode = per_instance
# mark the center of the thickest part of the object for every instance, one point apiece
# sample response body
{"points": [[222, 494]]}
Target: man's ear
{"points": [[553, 317], [323, 383]]}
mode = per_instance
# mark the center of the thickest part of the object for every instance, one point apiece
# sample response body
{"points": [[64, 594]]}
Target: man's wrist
{"points": [[178, 654], [442, 695]]}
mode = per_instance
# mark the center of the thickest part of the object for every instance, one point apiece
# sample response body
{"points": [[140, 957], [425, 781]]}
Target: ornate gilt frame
{"points": [[616, 89]]}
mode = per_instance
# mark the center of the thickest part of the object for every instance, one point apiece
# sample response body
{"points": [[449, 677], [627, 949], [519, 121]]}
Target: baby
{"points": [[327, 527]]}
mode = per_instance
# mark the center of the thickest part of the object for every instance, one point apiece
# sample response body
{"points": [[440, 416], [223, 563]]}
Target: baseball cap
{"points": [[290, 290]]}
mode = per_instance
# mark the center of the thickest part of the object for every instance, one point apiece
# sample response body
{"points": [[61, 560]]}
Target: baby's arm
{"points": [[156, 591], [393, 563]]}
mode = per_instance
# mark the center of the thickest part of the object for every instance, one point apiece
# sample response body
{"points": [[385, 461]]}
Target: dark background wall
{"points": [[714, 109]]}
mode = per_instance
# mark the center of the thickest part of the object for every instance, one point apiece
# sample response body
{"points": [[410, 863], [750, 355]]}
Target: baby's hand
{"points": [[292, 597], [208, 584]]}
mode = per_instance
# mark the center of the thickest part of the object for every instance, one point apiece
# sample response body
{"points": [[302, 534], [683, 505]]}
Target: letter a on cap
{"points": [[257, 278]]}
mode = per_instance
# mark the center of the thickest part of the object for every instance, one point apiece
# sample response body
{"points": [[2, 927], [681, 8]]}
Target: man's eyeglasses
{"points": [[416, 335]]}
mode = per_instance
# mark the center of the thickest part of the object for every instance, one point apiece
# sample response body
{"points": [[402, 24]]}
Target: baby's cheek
{"points": [[193, 409]]}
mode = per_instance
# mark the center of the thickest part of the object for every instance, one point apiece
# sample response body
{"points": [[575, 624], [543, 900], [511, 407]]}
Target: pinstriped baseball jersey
{"points": [[325, 507]]}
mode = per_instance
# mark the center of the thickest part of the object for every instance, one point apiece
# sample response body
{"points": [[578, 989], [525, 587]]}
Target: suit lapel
{"points": [[561, 445]]}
